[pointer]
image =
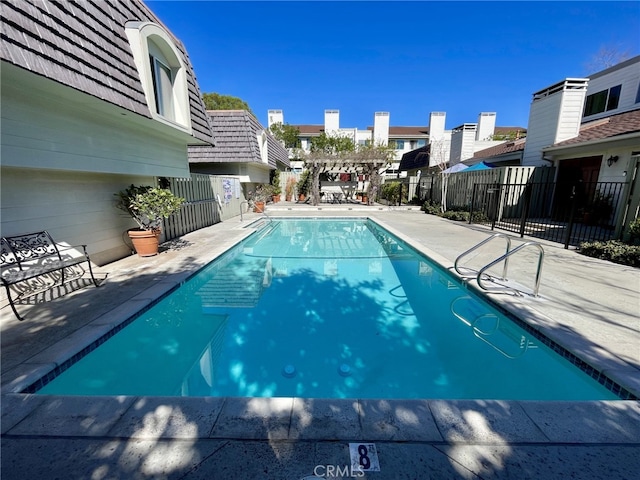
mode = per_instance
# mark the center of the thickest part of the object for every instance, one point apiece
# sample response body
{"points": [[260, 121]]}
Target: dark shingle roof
{"points": [[606, 128], [236, 133], [83, 45], [503, 148]]}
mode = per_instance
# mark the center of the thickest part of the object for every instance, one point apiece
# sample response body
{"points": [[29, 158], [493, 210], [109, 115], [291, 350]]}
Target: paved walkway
{"points": [[590, 307]]}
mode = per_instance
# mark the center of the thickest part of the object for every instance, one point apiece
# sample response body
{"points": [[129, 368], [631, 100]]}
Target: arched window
{"points": [[162, 73]]}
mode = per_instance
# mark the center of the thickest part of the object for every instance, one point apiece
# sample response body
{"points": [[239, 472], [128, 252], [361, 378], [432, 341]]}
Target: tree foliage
{"points": [[216, 101], [331, 153], [332, 144], [287, 134]]}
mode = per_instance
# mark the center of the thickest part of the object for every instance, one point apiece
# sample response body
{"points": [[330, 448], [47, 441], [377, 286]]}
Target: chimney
{"points": [[486, 126], [463, 139], [274, 116], [436, 126], [555, 115], [381, 128], [331, 122]]}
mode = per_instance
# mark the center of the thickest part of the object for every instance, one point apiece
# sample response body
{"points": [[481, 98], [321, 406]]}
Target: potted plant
{"points": [[148, 206], [276, 190], [290, 188], [304, 185], [258, 198]]}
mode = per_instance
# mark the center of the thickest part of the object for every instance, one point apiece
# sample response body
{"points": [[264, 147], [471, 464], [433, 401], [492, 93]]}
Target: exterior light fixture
{"points": [[611, 160]]}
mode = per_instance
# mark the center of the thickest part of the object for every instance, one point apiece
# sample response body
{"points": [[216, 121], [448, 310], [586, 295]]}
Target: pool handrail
{"points": [[504, 258], [475, 247]]}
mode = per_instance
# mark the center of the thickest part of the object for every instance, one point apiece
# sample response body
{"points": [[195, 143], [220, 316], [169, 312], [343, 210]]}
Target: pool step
{"points": [[230, 289]]}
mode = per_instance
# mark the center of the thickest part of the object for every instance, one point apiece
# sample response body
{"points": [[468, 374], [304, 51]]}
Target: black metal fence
{"points": [[569, 213]]}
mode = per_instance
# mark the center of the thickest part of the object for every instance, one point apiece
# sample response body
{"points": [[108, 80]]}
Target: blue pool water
{"points": [[325, 308]]}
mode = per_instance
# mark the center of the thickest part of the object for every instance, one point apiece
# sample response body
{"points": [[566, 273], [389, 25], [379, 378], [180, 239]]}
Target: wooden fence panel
{"points": [[209, 199]]}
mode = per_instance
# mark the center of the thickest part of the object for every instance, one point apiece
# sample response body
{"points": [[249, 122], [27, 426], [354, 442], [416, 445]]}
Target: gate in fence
{"points": [[568, 213]]}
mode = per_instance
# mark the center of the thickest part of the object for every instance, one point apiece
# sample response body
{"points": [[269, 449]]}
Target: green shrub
{"points": [[634, 231], [456, 215], [459, 208], [432, 208], [479, 217], [613, 250]]}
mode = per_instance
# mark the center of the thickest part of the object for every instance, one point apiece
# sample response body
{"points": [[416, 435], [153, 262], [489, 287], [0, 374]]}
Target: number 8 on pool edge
{"points": [[363, 461], [364, 457]]}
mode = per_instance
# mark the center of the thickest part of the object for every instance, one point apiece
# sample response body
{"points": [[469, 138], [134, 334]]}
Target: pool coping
{"points": [[287, 419]]}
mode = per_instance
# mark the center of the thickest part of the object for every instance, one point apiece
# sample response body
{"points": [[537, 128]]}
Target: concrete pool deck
{"points": [[588, 306]]}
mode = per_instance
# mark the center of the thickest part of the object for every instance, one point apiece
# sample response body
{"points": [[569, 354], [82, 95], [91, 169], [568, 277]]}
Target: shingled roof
{"points": [[83, 45], [606, 128], [236, 133], [502, 149]]}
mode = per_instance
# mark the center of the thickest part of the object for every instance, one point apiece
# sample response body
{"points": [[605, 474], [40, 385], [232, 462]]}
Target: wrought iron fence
{"points": [[569, 213]]}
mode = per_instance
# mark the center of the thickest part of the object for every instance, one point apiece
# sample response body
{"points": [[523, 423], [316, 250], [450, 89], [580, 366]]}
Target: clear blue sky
{"points": [[407, 58]]}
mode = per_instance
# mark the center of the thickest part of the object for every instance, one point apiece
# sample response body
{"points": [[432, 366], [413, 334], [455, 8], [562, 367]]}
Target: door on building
{"points": [[577, 177]]}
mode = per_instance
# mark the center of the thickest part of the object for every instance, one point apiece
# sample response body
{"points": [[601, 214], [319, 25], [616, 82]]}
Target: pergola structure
{"points": [[367, 161]]}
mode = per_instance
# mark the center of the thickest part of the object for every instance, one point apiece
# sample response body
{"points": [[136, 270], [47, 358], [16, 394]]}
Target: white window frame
{"points": [[263, 146], [167, 94]]}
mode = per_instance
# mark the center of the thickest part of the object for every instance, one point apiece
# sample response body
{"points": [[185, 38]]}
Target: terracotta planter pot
{"points": [[275, 198], [145, 242], [301, 197], [258, 207]]}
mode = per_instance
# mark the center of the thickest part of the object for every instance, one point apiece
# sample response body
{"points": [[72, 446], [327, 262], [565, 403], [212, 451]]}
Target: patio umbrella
{"points": [[478, 166], [456, 168]]}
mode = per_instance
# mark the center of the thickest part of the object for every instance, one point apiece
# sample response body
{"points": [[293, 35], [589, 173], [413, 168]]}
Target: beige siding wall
{"points": [[76, 208]]}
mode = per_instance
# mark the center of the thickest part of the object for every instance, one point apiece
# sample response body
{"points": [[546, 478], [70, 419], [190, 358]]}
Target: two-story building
{"points": [[587, 127], [96, 96]]}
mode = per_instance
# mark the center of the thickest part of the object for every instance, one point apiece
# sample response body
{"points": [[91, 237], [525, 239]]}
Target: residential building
{"points": [[244, 149], [95, 96], [402, 139], [587, 127], [447, 148]]}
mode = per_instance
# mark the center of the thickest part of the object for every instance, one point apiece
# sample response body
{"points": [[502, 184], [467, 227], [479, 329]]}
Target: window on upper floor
{"points": [[638, 94], [162, 79], [162, 73], [396, 144], [602, 101]]}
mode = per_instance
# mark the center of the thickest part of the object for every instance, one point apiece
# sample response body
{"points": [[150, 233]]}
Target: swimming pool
{"points": [[318, 308]]}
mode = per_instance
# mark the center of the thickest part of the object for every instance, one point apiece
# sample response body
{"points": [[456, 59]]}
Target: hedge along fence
{"points": [[209, 199]]}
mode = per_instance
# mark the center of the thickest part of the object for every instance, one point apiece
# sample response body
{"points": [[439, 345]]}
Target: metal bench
{"points": [[27, 259]]}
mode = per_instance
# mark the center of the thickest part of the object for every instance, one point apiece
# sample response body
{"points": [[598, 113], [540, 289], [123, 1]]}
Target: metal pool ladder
{"points": [[481, 276]]}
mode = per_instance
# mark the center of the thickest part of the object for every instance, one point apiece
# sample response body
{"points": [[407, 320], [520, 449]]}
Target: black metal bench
{"points": [[27, 259]]}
